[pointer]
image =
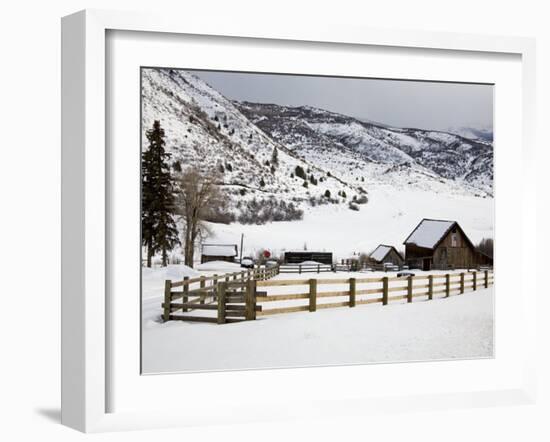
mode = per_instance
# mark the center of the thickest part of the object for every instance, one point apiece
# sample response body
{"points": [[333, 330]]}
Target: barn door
{"points": [[427, 264]]}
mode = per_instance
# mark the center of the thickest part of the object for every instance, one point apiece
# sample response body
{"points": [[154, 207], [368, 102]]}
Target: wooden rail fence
{"points": [[235, 297], [305, 268], [408, 288], [200, 294]]}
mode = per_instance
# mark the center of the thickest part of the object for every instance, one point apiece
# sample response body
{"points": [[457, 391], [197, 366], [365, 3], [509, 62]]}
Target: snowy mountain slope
{"points": [[474, 133], [408, 156], [207, 131]]}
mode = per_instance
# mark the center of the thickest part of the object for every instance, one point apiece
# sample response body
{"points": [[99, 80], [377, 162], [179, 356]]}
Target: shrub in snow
{"points": [[353, 206], [327, 193], [267, 210], [300, 173], [275, 156]]}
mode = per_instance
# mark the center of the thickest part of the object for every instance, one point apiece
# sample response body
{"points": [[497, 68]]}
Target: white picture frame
{"points": [[86, 317]]}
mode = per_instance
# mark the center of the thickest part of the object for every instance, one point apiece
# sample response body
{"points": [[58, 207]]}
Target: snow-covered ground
{"points": [[451, 328], [388, 218]]}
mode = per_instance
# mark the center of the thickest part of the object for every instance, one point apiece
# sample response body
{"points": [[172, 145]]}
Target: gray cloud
{"points": [[425, 105]]}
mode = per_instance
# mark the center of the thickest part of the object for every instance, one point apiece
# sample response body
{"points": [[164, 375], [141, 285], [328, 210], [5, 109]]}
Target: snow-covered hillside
{"points": [[388, 218], [399, 175], [360, 150], [206, 131]]}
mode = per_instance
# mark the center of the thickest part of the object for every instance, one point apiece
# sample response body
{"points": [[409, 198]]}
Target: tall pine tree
{"points": [[158, 228], [275, 157]]}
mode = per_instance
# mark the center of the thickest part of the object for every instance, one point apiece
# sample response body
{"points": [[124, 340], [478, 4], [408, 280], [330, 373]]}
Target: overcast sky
{"points": [[424, 105]]}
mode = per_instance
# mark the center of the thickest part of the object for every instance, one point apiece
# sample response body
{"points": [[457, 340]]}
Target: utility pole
{"points": [[242, 239]]}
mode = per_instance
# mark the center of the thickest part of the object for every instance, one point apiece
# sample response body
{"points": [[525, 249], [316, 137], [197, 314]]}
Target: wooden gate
{"points": [[224, 302], [236, 301]]}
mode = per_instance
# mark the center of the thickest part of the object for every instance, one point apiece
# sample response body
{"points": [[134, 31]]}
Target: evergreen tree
{"points": [[327, 193], [300, 172], [275, 157], [158, 227]]}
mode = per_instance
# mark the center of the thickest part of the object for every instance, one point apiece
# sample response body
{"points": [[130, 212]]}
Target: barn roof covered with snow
{"points": [[430, 232], [382, 251], [219, 249]]}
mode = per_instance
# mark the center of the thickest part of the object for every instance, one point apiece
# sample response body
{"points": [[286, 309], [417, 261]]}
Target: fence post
{"points": [[312, 295], [167, 299], [352, 291], [475, 280], [410, 289], [221, 302], [486, 279], [385, 290], [202, 286], [462, 283], [318, 268], [447, 285], [250, 300], [300, 269], [185, 297], [430, 287]]}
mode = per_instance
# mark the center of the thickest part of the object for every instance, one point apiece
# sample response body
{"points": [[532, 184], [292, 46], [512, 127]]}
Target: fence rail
{"points": [[305, 268], [411, 287], [235, 296]]}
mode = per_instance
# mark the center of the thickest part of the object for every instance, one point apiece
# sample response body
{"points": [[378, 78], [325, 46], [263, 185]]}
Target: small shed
{"points": [[385, 254], [305, 255], [219, 252], [440, 244]]}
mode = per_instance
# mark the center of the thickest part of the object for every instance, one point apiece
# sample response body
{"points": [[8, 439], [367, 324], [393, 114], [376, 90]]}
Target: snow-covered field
{"points": [[451, 328], [388, 218]]}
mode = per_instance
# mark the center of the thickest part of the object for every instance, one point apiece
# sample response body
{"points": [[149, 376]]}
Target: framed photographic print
{"points": [[340, 204]]}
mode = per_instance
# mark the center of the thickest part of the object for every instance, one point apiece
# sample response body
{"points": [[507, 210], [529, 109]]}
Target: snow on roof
{"points": [[429, 232], [219, 266], [380, 252], [219, 250]]}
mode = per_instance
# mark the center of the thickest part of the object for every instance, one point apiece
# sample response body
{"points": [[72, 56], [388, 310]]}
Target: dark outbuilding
{"points": [[219, 252], [299, 257], [385, 254]]}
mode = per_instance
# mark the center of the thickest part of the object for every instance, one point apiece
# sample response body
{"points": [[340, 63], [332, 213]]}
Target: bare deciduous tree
{"points": [[198, 194], [485, 246]]}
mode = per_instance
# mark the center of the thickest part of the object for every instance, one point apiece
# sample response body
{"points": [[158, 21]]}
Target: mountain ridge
{"points": [[337, 155]]}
